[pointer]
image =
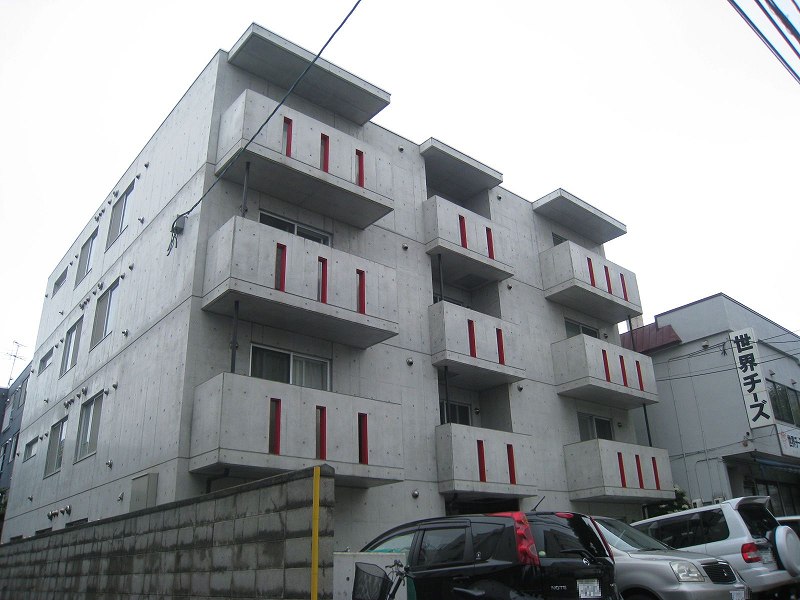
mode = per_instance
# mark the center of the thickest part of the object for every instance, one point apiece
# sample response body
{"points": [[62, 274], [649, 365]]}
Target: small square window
{"points": [[30, 449], [59, 282], [46, 361]]}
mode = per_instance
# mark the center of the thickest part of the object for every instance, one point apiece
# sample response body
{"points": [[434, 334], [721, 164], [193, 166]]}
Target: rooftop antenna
{"points": [[14, 356]]}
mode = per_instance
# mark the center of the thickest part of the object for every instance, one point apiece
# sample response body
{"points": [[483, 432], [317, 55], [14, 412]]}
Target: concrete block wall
{"points": [[249, 541]]}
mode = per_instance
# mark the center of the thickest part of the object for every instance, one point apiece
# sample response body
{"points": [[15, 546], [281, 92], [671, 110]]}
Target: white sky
{"points": [[669, 115]]}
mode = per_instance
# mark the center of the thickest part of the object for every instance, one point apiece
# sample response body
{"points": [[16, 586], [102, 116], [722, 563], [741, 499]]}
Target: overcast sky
{"points": [[669, 115]]}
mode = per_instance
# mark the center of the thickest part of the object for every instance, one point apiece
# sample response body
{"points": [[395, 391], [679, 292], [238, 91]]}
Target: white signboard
{"points": [[790, 440], [754, 387]]}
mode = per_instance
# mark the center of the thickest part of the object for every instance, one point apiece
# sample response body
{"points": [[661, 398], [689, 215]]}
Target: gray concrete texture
{"points": [[244, 542]]}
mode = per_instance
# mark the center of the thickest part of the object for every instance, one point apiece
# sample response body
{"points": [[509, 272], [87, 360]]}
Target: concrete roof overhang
{"points": [[575, 214], [454, 173], [268, 55]]}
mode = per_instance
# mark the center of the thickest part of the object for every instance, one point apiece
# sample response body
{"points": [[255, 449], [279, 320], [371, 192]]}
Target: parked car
{"points": [[742, 532], [646, 569], [507, 556]]}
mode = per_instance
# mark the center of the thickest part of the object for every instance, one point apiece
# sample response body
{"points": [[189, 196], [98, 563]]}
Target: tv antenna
{"points": [[14, 356]]}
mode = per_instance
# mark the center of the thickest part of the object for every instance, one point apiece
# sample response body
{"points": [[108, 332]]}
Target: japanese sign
{"points": [[754, 388], [789, 438]]}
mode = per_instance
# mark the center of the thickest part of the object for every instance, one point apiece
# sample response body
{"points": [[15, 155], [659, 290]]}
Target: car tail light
{"points": [[526, 547], [750, 553]]}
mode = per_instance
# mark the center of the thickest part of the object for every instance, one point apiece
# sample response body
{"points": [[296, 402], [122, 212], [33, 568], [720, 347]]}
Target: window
{"points": [[779, 396], [59, 281], [288, 367], [104, 314], [303, 231], [12, 452], [85, 258], [454, 412], [88, 426], [55, 447], [442, 546], [557, 239], [71, 344], [22, 393], [46, 361], [118, 216], [30, 449], [7, 414], [3, 456], [399, 543], [592, 427], [575, 328]]}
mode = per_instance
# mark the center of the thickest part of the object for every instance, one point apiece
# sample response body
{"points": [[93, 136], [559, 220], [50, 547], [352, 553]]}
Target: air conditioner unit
{"points": [[719, 499], [697, 503]]}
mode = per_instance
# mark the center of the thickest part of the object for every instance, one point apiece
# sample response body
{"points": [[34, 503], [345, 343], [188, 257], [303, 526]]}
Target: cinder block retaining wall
{"points": [[251, 541]]}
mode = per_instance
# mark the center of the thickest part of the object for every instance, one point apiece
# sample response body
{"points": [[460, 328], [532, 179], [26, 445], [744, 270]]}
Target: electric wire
{"points": [[173, 243], [777, 28]]}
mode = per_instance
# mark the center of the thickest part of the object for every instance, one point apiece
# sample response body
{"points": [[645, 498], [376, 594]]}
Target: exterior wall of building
{"points": [[173, 406], [12, 448]]}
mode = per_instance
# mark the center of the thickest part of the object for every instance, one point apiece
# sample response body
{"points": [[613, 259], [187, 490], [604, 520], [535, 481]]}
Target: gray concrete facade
{"points": [[370, 281]]}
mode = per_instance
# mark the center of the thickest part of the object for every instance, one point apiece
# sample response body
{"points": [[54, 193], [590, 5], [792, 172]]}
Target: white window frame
{"points": [[31, 448], [45, 361], [7, 414], [292, 356], [89, 427], [72, 342], [55, 447], [59, 282], [120, 207], [297, 228], [593, 425], [85, 258], [14, 444], [104, 315]]}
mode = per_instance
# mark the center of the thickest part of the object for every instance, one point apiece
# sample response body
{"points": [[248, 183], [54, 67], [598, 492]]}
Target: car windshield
{"points": [[624, 537]]}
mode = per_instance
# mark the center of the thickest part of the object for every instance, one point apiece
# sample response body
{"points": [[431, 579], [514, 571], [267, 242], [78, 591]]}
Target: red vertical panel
{"points": [[624, 287], [639, 374], [362, 291], [360, 168], [605, 364], [481, 462], [324, 152], [275, 426], [591, 271], [490, 242], [287, 131], [622, 367], [512, 468], [639, 471], [462, 227], [621, 470], [473, 349], [608, 280], [322, 432], [280, 268], [655, 472], [501, 351], [363, 445], [323, 280]]}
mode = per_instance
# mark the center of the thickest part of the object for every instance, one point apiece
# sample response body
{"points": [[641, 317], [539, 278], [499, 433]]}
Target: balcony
{"points": [[590, 369], [298, 179], [587, 282], [455, 174], [605, 470], [231, 430], [584, 219], [244, 262], [474, 462], [472, 247], [479, 351]]}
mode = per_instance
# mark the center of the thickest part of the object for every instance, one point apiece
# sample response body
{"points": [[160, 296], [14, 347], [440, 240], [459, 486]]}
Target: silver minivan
{"points": [[646, 569]]}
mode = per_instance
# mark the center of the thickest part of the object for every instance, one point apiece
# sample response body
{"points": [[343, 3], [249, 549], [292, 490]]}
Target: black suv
{"points": [[506, 556]]}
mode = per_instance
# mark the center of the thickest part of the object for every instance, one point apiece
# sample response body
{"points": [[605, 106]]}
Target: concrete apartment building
{"points": [[729, 410], [12, 401], [345, 296]]}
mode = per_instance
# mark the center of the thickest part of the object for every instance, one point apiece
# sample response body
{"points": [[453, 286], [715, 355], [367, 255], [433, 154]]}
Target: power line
{"points": [[173, 243]]}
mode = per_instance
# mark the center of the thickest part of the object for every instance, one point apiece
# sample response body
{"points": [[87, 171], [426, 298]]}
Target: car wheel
{"points": [[788, 545]]}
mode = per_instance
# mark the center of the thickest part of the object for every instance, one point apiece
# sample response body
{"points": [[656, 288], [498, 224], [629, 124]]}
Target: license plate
{"points": [[737, 595], [589, 588]]}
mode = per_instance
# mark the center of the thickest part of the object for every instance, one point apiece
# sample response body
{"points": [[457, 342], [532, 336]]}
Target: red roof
{"points": [[650, 338]]}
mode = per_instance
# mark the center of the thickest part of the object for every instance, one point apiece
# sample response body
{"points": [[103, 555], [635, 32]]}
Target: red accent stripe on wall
{"points": [[473, 349], [481, 462], [322, 432], [324, 152], [287, 131], [605, 364], [362, 291], [323, 280], [639, 471], [363, 444], [501, 350], [591, 271], [462, 228], [624, 373], [621, 470], [608, 280], [512, 468], [490, 242], [280, 268], [274, 426], [639, 374], [360, 168], [624, 287], [655, 472]]}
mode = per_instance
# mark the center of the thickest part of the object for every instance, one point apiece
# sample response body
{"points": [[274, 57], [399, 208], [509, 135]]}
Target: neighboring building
{"points": [[381, 306], [12, 401], [729, 407]]}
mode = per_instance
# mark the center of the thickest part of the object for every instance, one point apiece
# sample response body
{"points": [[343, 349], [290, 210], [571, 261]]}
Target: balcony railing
{"points": [[232, 429], [591, 369], [605, 470], [479, 351], [349, 185], [292, 283], [575, 277], [472, 247], [474, 462]]}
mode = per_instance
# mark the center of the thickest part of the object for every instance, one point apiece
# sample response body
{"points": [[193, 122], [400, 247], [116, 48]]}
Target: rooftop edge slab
{"points": [[572, 212]]}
